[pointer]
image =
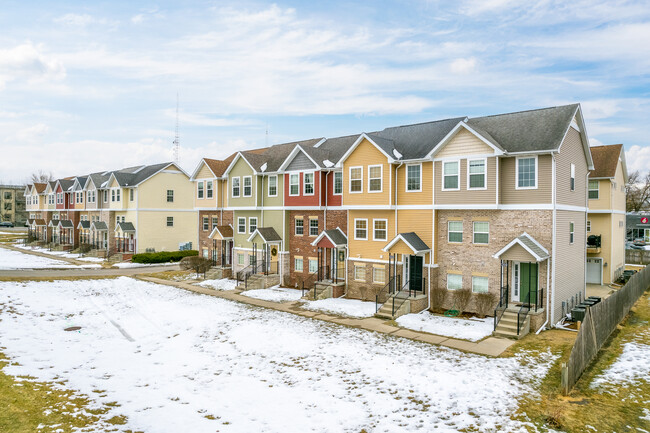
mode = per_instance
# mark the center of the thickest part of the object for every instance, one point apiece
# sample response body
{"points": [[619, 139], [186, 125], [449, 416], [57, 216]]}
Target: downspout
{"points": [[584, 291], [327, 174], [395, 264], [222, 202], [548, 276], [549, 314]]}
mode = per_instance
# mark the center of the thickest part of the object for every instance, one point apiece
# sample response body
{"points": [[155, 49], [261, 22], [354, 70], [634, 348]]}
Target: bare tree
{"points": [[41, 177], [638, 191]]}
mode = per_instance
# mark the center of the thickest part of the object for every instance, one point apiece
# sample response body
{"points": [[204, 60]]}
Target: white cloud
{"points": [[637, 158], [30, 134], [79, 20], [463, 66], [27, 62]]}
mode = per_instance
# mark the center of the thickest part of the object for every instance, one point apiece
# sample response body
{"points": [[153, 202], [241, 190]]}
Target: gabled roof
{"points": [[268, 234], [133, 176], [606, 159], [476, 131], [65, 224], [66, 184], [40, 187], [216, 166], [529, 244], [84, 225], [79, 183], [40, 223], [225, 232], [411, 239], [335, 236], [98, 226], [125, 227]]}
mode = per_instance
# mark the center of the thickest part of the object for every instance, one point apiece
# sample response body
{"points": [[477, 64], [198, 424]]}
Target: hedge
{"points": [[163, 256]]}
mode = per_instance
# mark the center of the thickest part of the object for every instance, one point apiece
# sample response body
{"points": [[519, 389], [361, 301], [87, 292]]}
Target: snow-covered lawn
{"points": [[275, 294], [223, 284], [61, 254], [125, 265], [632, 365], [343, 307], [467, 329], [10, 259], [177, 361]]}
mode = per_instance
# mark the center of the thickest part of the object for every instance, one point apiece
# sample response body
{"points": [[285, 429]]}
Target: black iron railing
{"points": [[387, 291], [501, 306], [523, 312]]}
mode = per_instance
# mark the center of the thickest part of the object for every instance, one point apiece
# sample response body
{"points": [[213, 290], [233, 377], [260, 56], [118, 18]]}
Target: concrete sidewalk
{"points": [[490, 346]]}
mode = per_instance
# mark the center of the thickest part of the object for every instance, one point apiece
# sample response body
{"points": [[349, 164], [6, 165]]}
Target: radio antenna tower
{"points": [[176, 143]]}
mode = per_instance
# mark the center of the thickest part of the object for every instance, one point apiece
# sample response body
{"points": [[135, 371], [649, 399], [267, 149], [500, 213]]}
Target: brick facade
{"points": [[205, 243]]}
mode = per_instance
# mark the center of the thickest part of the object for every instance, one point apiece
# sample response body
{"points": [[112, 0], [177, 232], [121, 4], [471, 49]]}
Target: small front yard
{"points": [[472, 329], [11, 260]]}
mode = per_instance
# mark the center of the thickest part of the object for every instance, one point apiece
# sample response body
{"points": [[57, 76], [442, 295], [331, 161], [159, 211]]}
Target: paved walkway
{"points": [[490, 346]]}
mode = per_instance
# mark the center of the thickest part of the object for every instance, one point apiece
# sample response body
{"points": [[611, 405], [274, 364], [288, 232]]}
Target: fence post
{"points": [[565, 379]]}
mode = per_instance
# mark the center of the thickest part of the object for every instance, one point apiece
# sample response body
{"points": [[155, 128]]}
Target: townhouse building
{"points": [[606, 220], [121, 212]]}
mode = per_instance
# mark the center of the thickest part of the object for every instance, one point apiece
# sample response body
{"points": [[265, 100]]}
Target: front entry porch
{"points": [[405, 290], [328, 279], [521, 296], [264, 268], [221, 252]]}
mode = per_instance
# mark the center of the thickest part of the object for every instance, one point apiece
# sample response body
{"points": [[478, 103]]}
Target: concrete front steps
{"points": [[218, 272], [325, 290], [507, 326], [259, 281], [413, 304]]}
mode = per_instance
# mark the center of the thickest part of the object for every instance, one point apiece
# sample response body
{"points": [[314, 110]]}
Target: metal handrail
{"points": [[310, 278], [523, 312], [242, 273], [389, 288], [403, 298], [501, 307]]}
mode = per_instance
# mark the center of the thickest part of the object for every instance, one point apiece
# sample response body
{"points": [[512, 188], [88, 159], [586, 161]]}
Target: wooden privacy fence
{"points": [[637, 257], [599, 323]]}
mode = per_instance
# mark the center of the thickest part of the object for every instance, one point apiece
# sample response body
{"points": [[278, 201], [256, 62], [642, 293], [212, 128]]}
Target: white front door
{"points": [[595, 271]]}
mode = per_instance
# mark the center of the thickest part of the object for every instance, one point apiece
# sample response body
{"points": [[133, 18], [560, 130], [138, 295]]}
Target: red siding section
{"points": [[332, 200], [301, 199]]}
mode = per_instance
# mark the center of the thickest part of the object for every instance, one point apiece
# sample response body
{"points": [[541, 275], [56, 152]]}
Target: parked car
{"points": [[639, 242], [6, 224]]}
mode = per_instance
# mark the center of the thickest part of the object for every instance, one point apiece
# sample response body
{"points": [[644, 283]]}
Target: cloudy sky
{"points": [[90, 86]]}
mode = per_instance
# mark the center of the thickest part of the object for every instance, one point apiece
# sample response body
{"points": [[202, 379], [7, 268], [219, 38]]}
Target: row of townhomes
{"points": [[500, 204], [121, 212]]}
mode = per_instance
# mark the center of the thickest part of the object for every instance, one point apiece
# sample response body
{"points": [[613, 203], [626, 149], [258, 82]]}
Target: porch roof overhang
{"points": [[40, 223], [83, 225], [335, 236], [99, 226], [125, 227], [411, 240], [267, 234], [66, 224], [528, 243], [224, 233]]}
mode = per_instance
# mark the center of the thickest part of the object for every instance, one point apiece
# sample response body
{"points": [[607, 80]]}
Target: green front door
{"points": [[415, 272], [528, 281]]}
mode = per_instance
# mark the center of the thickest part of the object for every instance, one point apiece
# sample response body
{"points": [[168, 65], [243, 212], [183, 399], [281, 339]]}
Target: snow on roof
{"points": [[397, 154], [327, 163]]}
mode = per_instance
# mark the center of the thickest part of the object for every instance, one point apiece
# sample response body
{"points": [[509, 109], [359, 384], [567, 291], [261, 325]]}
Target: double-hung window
{"points": [[170, 221], [593, 190], [208, 189], [241, 225], [215, 222], [450, 175], [454, 281], [573, 177], [338, 183], [361, 229], [481, 232], [571, 233], [300, 226], [294, 184], [480, 284], [112, 195], [476, 174], [206, 224], [374, 178], [356, 179], [313, 227], [252, 224], [413, 178], [117, 195], [309, 184], [273, 186], [130, 194], [298, 264], [235, 187], [454, 231], [313, 265], [170, 196], [526, 172], [199, 191], [248, 186], [380, 230]]}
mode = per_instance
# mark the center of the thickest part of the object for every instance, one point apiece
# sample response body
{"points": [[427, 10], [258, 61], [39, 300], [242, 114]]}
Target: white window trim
{"points": [[572, 177], [442, 185], [449, 231], [304, 183], [381, 272], [232, 187], [295, 227], [309, 232], [488, 284], [597, 189], [474, 232], [355, 229], [334, 183], [302, 262], [243, 186], [249, 224], [211, 189], [406, 178], [360, 167], [517, 172], [268, 189], [485, 165], [298, 176], [205, 220], [461, 281], [381, 179], [311, 260], [572, 231], [373, 229], [200, 187], [355, 273], [239, 225]]}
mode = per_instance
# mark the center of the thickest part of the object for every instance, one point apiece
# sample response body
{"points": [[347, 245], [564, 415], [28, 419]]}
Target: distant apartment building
{"points": [[12, 204]]}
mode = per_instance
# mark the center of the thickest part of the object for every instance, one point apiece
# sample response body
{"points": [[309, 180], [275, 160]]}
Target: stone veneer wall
{"points": [[468, 258], [367, 289]]}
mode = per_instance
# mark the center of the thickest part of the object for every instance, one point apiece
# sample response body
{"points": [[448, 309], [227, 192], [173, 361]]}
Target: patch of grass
{"points": [[171, 275], [616, 408], [25, 405], [62, 278]]}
